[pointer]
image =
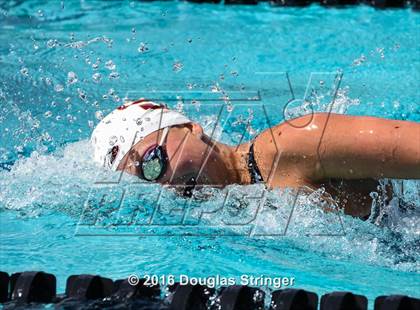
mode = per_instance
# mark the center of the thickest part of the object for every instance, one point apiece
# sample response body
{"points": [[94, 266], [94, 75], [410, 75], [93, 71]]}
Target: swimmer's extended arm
{"points": [[356, 147]]}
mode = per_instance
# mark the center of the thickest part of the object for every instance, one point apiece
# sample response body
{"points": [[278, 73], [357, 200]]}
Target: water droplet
{"points": [[139, 121], [96, 77], [48, 114], [46, 137], [110, 65], [99, 115], [71, 118], [58, 88], [179, 105], [114, 75], [82, 94], [380, 51], [359, 61], [215, 88], [71, 78], [196, 103], [51, 43], [177, 66], [142, 47], [24, 71], [113, 140]]}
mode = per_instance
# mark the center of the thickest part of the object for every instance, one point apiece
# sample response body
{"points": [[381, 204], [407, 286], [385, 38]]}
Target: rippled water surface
{"points": [[65, 64]]}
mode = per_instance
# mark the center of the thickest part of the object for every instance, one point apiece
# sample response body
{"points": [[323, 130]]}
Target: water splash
{"points": [[62, 181]]}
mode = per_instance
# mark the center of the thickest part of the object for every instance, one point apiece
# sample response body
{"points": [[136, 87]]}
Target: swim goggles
{"points": [[154, 164], [155, 159]]}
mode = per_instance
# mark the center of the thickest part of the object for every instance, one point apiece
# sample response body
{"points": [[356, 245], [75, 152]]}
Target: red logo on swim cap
{"points": [[152, 106], [145, 106]]}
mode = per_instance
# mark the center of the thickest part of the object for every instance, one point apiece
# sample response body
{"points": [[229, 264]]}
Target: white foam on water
{"points": [[303, 223], [57, 180]]}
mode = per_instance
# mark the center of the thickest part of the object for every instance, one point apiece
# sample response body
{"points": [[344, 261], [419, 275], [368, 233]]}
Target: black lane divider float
{"points": [[32, 289], [381, 4]]}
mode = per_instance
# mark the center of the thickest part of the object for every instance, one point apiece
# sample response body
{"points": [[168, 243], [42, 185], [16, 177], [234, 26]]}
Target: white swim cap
{"points": [[120, 130]]}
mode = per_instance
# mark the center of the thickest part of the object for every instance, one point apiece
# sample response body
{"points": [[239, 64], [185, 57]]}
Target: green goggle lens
{"points": [[153, 163], [152, 169]]}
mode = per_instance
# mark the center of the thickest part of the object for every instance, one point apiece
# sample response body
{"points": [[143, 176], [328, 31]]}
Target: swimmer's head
{"points": [[122, 129], [157, 144]]}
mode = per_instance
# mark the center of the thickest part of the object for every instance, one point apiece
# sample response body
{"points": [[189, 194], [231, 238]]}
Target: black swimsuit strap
{"points": [[253, 170]]}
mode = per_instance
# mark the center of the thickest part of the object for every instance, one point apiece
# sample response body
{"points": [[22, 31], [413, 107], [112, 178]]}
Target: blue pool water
{"points": [[66, 63]]}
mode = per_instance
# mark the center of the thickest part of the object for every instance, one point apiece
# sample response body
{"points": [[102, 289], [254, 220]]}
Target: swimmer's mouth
{"points": [[189, 188], [186, 185], [185, 188]]}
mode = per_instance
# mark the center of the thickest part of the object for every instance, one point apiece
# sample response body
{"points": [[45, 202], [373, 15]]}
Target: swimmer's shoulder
{"points": [[293, 138], [288, 151]]}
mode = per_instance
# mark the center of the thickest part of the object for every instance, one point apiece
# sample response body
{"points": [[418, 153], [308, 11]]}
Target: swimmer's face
{"points": [[186, 147]]}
